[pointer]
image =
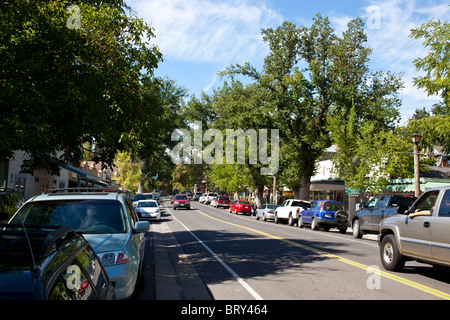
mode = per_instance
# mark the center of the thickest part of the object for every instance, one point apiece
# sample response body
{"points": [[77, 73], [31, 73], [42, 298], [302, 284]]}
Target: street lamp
{"points": [[416, 139]]}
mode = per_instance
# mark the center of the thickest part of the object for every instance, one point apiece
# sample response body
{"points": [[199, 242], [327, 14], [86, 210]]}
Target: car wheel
{"points": [[264, 217], [314, 225], [276, 220], [291, 220], [257, 217], [391, 258], [300, 222], [357, 230], [235, 211]]}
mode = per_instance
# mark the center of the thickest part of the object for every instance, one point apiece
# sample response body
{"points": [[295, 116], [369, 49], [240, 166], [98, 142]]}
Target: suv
{"points": [[181, 201], [419, 232], [221, 201], [50, 263], [107, 220], [326, 214]]}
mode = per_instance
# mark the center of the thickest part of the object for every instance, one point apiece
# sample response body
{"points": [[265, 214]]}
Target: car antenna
{"points": [[28, 240]]}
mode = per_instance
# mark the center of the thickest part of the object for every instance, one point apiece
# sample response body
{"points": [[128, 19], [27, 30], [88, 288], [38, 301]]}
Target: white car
{"points": [[148, 209]]}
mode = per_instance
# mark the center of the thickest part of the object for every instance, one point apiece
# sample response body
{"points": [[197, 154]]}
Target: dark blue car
{"points": [[325, 214]]}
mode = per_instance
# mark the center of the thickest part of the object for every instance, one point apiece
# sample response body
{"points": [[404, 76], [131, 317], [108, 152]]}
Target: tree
{"points": [[436, 63], [66, 85], [311, 76]]}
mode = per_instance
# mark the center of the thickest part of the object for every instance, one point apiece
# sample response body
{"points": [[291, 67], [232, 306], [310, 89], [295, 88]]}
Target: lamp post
{"points": [[416, 139]]}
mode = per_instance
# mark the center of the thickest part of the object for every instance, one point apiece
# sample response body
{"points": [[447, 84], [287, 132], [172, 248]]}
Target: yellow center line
{"points": [[341, 259]]}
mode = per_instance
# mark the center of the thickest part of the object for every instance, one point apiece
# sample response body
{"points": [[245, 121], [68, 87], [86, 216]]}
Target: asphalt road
{"points": [[224, 256]]}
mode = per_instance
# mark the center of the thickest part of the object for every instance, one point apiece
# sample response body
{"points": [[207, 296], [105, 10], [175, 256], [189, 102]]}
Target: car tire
{"points": [[357, 229], [314, 225], [276, 220], [264, 217], [256, 217], [391, 258], [300, 222], [291, 220]]}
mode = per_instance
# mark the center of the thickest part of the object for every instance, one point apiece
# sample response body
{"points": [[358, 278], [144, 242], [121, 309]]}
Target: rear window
{"points": [[244, 202], [402, 201], [330, 206], [299, 204], [224, 198], [90, 216], [143, 197]]}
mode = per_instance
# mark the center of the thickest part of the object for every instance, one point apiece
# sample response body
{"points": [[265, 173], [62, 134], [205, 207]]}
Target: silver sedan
{"points": [[267, 211]]}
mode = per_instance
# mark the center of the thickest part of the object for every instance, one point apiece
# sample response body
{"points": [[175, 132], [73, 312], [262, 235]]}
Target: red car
{"points": [[181, 201], [241, 206], [221, 201]]}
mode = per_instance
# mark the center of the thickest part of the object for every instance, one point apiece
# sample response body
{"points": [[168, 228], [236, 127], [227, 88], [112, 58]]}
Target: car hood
{"points": [[107, 242]]}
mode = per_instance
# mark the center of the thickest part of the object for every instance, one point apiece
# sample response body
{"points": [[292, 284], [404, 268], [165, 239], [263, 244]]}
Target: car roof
{"points": [[77, 196], [149, 200]]}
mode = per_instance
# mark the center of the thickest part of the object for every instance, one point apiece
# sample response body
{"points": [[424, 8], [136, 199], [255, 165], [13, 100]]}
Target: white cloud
{"points": [[207, 30], [394, 50]]}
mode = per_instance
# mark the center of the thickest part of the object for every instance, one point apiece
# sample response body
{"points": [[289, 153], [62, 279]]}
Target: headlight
{"points": [[113, 258]]}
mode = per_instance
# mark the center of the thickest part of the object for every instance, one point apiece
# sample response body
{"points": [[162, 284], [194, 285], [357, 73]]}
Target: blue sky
{"points": [[199, 38]]}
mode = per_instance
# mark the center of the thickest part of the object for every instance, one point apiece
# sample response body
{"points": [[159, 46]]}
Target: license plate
{"points": [[182, 204]]}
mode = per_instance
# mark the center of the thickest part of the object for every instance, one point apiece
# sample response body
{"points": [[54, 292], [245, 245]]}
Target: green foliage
{"points": [[64, 88]]}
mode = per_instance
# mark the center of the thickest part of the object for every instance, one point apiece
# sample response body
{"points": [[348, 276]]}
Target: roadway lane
{"points": [[240, 258]]}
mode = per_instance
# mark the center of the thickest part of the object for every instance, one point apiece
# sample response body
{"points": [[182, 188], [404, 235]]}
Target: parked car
{"points": [[143, 196], [181, 201], [290, 210], [50, 263], [209, 197], [267, 211], [240, 206], [367, 220], [420, 232], [325, 214], [196, 196], [107, 220], [148, 209], [202, 198], [221, 201]]}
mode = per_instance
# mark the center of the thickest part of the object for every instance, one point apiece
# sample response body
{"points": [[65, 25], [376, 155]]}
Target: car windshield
{"points": [[147, 204], [89, 216], [181, 197], [331, 206]]}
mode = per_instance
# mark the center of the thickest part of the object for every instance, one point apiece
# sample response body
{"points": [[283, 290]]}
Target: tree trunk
{"points": [[259, 196], [302, 192]]}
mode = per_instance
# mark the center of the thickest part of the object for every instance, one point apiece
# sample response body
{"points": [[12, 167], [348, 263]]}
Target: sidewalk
{"points": [[175, 278]]}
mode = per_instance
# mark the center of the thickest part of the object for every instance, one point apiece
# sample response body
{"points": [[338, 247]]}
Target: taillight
{"points": [[298, 210]]}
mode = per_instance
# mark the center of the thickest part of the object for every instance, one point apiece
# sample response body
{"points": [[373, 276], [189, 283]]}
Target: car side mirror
{"points": [[141, 227]]}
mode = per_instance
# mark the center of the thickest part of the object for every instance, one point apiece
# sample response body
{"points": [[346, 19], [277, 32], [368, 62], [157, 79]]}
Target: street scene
{"points": [[232, 158]]}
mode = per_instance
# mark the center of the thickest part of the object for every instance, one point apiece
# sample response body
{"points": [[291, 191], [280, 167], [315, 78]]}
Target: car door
{"points": [[415, 232], [308, 213], [367, 220], [440, 230], [378, 212]]}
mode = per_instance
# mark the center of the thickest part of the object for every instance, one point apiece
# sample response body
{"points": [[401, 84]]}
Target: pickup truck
{"points": [[290, 210], [419, 232], [367, 220]]}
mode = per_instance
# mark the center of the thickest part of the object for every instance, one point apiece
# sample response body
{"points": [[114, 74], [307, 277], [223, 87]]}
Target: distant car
{"points": [[42, 262], [221, 201], [267, 211], [107, 220], [240, 206], [202, 198], [196, 196], [209, 197], [181, 201], [326, 214], [148, 209], [142, 196], [420, 232]]}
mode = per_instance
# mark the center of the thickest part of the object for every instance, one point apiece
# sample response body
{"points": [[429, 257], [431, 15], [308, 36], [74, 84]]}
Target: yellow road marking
{"points": [[341, 259]]}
